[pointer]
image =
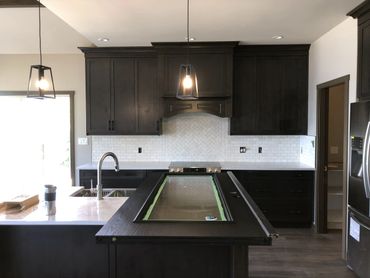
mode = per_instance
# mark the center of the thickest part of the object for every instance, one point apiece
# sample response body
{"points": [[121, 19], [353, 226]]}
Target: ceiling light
{"points": [[103, 39], [190, 39], [188, 85], [278, 37]]}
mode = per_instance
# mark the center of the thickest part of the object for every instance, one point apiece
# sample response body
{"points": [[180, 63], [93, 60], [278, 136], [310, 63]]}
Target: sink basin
{"points": [[107, 192], [122, 192]]}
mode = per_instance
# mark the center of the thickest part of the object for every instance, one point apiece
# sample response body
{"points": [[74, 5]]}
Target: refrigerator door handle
{"points": [[365, 162], [359, 222]]}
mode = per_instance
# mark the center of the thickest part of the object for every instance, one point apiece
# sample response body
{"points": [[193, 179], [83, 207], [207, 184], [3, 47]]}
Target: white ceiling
{"points": [[139, 22], [73, 23]]}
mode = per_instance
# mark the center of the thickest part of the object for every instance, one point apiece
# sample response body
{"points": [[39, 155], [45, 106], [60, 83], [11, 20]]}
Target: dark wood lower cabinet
{"points": [[285, 197], [180, 260], [29, 251], [113, 179]]}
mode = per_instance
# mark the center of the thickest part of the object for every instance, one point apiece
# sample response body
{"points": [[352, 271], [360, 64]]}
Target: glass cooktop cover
{"points": [[187, 198]]}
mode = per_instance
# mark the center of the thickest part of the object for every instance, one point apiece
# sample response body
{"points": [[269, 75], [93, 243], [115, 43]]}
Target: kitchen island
{"points": [[34, 245], [146, 243]]}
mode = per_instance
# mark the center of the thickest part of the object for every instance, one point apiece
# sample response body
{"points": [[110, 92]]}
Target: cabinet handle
{"points": [[295, 212], [220, 105], [112, 125], [158, 126], [109, 125]]}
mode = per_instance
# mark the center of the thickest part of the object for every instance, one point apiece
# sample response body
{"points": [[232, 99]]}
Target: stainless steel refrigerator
{"points": [[358, 252]]}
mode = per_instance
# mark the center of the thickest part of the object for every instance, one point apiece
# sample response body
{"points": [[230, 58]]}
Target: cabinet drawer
{"points": [[285, 214], [285, 197], [294, 190]]}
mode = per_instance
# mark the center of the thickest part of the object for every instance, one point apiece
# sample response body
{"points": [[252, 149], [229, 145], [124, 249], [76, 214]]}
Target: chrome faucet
{"points": [[99, 186]]}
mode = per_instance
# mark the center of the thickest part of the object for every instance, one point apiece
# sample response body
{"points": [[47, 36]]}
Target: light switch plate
{"points": [[83, 141]]}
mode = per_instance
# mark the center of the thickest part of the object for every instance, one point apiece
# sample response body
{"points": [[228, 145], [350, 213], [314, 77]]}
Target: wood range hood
{"points": [[213, 62]]}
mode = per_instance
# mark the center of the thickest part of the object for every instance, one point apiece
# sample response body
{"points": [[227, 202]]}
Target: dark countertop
{"points": [[245, 228]]}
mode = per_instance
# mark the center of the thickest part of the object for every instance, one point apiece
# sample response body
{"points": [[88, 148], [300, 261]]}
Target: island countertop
{"points": [[245, 227], [69, 211]]}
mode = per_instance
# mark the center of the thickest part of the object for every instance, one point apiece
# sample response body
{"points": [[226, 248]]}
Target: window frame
{"points": [[71, 95]]}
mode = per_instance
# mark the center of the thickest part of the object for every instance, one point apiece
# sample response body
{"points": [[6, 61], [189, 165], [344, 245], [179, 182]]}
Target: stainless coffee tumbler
{"points": [[50, 197]]}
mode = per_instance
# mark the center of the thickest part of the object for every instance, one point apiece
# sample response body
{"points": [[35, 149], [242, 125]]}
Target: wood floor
{"points": [[300, 253]]}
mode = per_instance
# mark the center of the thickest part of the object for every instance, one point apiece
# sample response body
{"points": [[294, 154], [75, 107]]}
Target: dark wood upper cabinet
{"points": [[362, 13], [213, 63], [98, 95], [270, 90], [124, 100], [122, 93]]}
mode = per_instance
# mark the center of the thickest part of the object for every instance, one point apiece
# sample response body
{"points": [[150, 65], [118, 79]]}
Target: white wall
{"points": [[332, 56], [69, 75]]}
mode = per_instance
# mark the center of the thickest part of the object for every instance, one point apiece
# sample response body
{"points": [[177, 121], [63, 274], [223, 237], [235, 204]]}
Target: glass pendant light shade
{"points": [[41, 83], [188, 84]]}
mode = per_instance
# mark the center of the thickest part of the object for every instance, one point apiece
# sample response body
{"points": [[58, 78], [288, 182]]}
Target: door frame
{"points": [[321, 153]]}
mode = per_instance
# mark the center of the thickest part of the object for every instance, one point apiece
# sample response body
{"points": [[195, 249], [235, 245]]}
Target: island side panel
{"points": [[164, 260], [51, 251]]}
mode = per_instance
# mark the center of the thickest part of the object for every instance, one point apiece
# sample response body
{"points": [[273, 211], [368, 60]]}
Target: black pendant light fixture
{"points": [[187, 88], [40, 82]]}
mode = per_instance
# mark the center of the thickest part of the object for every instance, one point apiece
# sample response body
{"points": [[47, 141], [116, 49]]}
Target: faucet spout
{"points": [[99, 186]]}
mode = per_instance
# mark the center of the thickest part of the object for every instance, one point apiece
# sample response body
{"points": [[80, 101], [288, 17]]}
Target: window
{"points": [[36, 143]]}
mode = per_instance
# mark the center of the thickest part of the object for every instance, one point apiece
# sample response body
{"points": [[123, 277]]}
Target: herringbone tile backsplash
{"points": [[203, 137]]}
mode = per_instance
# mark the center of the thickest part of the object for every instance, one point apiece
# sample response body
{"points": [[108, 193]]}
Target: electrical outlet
{"points": [[139, 150], [243, 149], [259, 149], [82, 141]]}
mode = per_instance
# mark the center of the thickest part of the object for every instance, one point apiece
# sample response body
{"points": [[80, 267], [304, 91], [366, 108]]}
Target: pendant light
{"points": [[40, 82], [187, 88]]}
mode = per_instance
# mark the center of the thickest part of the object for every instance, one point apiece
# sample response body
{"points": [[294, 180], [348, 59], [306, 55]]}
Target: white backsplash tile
{"points": [[308, 151], [202, 137]]}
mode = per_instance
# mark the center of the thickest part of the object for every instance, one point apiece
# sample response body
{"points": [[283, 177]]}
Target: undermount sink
{"points": [[107, 192]]}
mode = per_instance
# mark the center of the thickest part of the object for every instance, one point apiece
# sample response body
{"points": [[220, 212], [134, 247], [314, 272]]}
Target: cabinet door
{"points": [[124, 101], [363, 81], [294, 95], [214, 73], [148, 112], [268, 95], [98, 100], [245, 110]]}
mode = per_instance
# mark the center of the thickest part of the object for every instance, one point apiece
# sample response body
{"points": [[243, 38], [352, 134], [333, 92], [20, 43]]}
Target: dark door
{"points": [[357, 198], [147, 96], [98, 95], [124, 101]]}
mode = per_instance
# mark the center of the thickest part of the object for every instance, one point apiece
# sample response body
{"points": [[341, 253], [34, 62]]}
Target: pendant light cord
{"points": [[187, 31], [40, 32]]}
